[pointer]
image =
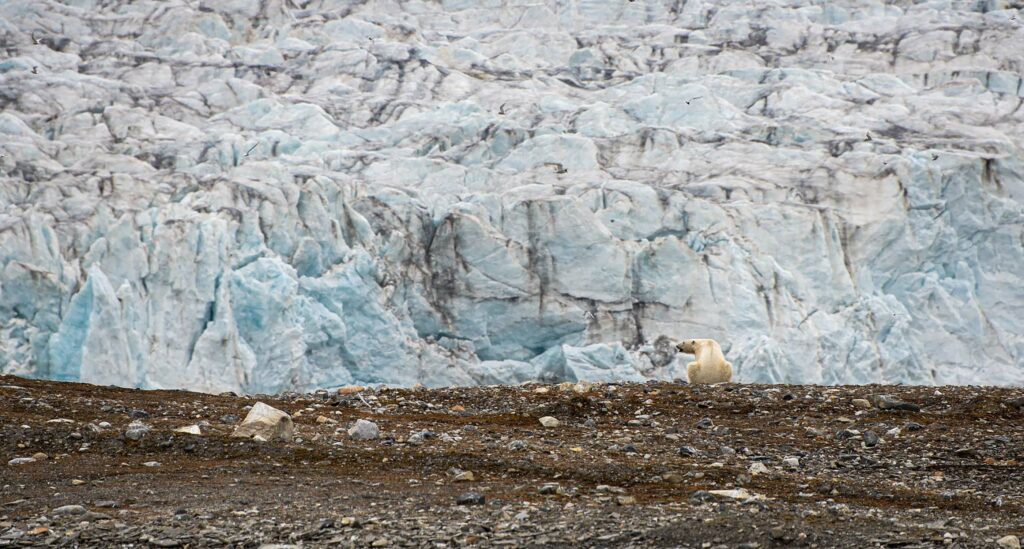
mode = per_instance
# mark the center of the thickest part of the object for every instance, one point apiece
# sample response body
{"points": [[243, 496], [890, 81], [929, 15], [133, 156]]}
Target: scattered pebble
{"points": [[549, 421], [870, 438], [885, 402], [470, 498], [364, 429], [688, 451], [464, 476], [736, 493], [549, 488], [69, 510], [137, 430], [189, 430], [1009, 542], [757, 468]]}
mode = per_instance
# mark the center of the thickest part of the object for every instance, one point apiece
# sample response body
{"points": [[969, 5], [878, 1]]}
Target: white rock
{"points": [[21, 461], [791, 462], [549, 421], [364, 430], [1009, 542], [757, 468], [737, 493], [266, 422], [189, 430], [69, 510], [137, 430], [464, 476]]}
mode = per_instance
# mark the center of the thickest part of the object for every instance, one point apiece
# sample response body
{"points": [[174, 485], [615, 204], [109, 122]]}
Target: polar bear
{"points": [[710, 366]]}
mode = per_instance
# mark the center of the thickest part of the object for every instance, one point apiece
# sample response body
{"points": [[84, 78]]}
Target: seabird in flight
{"points": [[557, 166]]}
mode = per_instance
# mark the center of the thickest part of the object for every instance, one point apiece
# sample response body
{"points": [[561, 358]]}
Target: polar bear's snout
{"points": [[688, 346]]}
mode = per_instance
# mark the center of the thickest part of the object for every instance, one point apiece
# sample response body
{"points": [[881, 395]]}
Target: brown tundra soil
{"points": [[629, 465]]}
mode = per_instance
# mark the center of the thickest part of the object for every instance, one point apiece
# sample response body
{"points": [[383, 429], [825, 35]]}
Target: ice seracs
{"points": [[260, 197]]}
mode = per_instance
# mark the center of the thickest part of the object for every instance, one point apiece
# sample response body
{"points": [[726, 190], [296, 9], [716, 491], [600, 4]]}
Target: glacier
{"points": [[270, 195]]}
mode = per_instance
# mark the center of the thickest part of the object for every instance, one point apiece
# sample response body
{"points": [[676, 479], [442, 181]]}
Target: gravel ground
{"points": [[655, 464]]}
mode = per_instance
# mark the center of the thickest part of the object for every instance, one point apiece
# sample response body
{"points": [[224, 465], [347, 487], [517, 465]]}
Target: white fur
{"points": [[710, 365]]}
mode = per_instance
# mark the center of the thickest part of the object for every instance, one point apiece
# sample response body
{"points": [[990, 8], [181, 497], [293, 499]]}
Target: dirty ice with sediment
{"points": [[271, 195]]}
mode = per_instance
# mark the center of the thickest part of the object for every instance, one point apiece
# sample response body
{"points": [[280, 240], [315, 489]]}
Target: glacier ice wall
{"points": [[265, 195]]}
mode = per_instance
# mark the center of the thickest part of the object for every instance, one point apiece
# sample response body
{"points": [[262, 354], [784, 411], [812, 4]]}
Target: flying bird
{"points": [[35, 70], [557, 166], [501, 109], [251, 148], [868, 137], [34, 39], [693, 99]]}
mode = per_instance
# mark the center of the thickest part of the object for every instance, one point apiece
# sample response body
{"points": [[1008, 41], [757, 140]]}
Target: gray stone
{"points": [[885, 402], [470, 498], [136, 430], [69, 510], [549, 488], [870, 438], [757, 468], [688, 451], [416, 439], [364, 430], [701, 496]]}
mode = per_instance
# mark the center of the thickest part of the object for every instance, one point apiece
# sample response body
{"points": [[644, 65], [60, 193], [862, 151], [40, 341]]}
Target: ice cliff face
{"points": [[262, 195]]}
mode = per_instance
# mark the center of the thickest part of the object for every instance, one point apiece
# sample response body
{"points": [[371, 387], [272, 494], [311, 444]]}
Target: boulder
{"points": [[136, 430], [266, 422], [364, 430]]}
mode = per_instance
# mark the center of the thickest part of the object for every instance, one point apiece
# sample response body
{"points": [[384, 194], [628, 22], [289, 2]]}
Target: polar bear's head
{"points": [[687, 346]]}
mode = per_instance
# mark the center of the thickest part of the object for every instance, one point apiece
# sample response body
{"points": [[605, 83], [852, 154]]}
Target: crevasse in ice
{"points": [[277, 195]]}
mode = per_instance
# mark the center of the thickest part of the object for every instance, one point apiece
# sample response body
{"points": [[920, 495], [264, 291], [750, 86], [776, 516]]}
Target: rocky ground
{"points": [[655, 464]]}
